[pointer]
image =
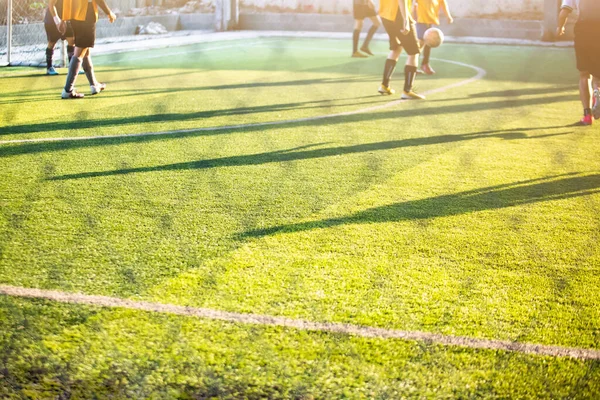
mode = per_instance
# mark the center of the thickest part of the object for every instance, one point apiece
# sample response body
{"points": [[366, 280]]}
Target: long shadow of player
{"points": [[301, 153], [489, 198]]}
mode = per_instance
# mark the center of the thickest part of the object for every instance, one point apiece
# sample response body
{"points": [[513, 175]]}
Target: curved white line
{"points": [[331, 327], [480, 74]]}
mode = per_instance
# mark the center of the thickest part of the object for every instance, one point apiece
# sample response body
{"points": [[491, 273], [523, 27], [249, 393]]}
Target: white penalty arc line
{"points": [[480, 75], [329, 327]]}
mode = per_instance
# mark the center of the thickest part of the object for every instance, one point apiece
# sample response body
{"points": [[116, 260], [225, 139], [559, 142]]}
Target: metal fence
{"points": [[23, 38]]}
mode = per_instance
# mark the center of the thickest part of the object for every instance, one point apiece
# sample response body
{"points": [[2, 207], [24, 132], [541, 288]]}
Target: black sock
{"points": [[388, 71], [355, 37], [49, 55], [426, 55], [70, 51], [369, 36], [410, 72], [587, 111]]}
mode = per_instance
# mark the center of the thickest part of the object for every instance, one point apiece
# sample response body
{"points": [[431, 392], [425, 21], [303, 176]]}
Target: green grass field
{"points": [[475, 213]]}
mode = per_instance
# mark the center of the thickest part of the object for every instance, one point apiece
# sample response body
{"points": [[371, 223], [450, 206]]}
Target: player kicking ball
{"points": [[587, 52], [428, 15], [363, 9], [400, 27], [83, 15]]}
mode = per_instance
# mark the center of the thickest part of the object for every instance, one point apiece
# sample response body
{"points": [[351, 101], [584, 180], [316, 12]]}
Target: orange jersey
{"points": [[77, 10], [428, 11]]}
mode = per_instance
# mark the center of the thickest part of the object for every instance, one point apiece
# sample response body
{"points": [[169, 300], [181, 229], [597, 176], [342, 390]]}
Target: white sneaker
{"points": [[596, 108], [71, 95], [97, 88]]}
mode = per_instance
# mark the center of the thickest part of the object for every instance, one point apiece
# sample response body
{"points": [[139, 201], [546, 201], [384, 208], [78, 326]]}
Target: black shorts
{"points": [[397, 39], [54, 35], [587, 47], [85, 31], [362, 12]]}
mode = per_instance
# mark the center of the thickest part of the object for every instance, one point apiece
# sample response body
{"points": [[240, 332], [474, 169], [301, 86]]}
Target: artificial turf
{"points": [[473, 213]]}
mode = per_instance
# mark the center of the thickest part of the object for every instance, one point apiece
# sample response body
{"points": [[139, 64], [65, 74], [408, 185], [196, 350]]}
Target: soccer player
{"points": [[54, 36], [587, 52], [428, 14], [400, 27], [363, 9], [83, 15]]}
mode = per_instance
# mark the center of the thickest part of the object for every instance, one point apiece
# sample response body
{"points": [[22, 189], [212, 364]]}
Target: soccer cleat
{"points": [[586, 120], [51, 71], [596, 107], [427, 69], [97, 88], [366, 50], [358, 54], [386, 90], [412, 96], [71, 95]]}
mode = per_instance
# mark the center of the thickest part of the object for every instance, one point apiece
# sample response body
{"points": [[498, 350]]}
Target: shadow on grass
{"points": [[175, 117], [301, 153], [490, 198], [319, 121]]}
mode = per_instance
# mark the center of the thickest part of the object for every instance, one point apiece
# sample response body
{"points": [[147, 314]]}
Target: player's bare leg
{"points": [[370, 34], [426, 55], [358, 25]]}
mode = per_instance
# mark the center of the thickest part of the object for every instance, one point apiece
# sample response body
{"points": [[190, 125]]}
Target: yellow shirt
{"points": [[77, 10], [388, 9], [428, 12]]}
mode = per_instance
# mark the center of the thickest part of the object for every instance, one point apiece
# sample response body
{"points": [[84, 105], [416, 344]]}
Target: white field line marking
{"points": [[266, 320], [480, 74]]}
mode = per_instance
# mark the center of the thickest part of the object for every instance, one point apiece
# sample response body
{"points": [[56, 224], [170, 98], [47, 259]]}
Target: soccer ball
{"points": [[433, 37]]}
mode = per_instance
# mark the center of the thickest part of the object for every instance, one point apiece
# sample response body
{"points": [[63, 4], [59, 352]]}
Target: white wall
{"points": [[460, 8]]}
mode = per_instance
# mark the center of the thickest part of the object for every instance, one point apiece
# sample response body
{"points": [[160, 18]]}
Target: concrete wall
{"points": [[460, 8], [531, 30]]}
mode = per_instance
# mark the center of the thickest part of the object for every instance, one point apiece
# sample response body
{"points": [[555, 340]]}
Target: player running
{"points": [[54, 36], [83, 15], [400, 27], [363, 9], [428, 14], [587, 52]]}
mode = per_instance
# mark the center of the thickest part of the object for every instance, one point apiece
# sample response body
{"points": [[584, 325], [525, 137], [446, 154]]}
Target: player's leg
{"points": [[411, 45], [393, 30], [388, 70], [69, 91], [421, 28], [95, 86], [585, 94], [49, 59], [596, 97], [370, 34], [53, 36], [358, 25]]}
